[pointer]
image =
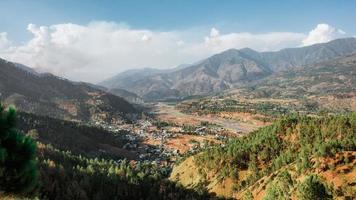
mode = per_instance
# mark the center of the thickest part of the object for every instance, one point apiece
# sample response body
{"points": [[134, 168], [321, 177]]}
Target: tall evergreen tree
{"points": [[18, 170]]}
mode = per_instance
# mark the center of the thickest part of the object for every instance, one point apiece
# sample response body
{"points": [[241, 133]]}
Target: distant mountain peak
{"points": [[247, 49], [230, 68]]}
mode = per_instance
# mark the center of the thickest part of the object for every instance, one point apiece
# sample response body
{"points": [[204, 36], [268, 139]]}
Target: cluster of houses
{"points": [[156, 153]]}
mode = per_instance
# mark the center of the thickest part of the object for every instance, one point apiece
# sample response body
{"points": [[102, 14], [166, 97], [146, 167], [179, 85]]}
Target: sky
{"points": [[94, 40]]}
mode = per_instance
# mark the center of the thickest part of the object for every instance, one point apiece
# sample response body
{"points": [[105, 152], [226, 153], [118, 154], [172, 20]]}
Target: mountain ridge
{"points": [[229, 69], [46, 94]]}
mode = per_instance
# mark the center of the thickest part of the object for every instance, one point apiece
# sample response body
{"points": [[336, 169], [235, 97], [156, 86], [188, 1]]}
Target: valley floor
{"points": [[236, 123]]}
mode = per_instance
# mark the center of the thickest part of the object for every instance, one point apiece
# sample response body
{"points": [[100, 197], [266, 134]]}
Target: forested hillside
{"points": [[293, 146], [76, 137], [69, 176], [47, 172]]}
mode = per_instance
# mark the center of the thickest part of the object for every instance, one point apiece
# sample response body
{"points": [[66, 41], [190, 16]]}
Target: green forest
{"points": [[39, 170], [298, 140], [31, 169]]}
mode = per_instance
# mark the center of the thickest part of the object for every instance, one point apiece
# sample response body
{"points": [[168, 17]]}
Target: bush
{"points": [[313, 188], [248, 196], [274, 193], [280, 188]]}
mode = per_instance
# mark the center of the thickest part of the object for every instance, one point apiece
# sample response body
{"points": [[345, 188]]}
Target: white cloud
{"points": [[145, 38], [4, 41], [217, 42], [101, 49], [214, 33], [96, 51], [322, 33], [180, 42]]}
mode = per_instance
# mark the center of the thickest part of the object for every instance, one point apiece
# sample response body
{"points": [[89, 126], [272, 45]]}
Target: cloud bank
{"points": [[101, 49]]}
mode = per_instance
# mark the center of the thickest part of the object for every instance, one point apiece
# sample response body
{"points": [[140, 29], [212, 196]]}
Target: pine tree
{"points": [[313, 189], [18, 170]]}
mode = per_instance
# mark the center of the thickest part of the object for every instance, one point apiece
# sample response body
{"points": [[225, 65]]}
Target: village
{"points": [[164, 135], [164, 145]]}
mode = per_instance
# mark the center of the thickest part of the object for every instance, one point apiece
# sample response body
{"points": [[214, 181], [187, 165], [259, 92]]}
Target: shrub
{"points": [[313, 188]]}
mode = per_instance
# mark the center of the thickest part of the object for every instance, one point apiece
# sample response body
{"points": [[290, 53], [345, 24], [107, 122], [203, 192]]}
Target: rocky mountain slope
{"points": [[127, 78], [327, 85], [286, 59], [336, 76], [227, 70], [46, 94], [128, 96]]}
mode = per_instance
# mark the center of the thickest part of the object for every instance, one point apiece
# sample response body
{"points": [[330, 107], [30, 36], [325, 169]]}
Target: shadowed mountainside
{"points": [[46, 94]]}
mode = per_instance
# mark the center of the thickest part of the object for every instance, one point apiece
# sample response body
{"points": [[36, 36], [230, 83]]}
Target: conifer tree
{"points": [[18, 170]]}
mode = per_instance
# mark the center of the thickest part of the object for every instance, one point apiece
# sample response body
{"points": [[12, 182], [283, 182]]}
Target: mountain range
{"points": [[336, 76], [46, 94], [226, 70]]}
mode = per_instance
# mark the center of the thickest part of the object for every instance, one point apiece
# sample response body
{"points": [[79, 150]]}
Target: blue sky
{"points": [[227, 15], [93, 40]]}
